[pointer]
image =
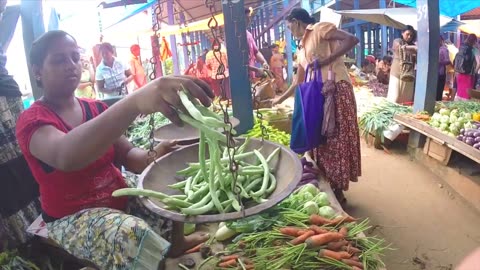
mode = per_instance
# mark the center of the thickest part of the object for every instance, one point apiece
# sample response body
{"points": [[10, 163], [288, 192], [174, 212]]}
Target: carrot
{"points": [[351, 250], [336, 255], [356, 268], [291, 231], [337, 246], [344, 231], [247, 261], [318, 230], [249, 267], [322, 239], [301, 239], [319, 220], [302, 232], [355, 258], [229, 257], [352, 263], [194, 249], [340, 220], [228, 263]]}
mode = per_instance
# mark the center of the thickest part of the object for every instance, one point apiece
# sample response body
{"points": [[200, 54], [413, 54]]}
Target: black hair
{"points": [[408, 28], [106, 47], [387, 59], [39, 49], [302, 15], [274, 46]]}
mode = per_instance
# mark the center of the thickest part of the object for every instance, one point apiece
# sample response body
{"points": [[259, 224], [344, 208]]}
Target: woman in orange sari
{"points": [[339, 157]]}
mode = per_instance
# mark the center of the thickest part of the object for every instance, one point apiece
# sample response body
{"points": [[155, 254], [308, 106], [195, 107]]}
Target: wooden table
{"points": [[439, 136]]}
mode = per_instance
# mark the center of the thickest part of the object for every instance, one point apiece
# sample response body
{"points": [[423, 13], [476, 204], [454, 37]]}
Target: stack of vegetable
{"points": [[11, 260], [380, 117], [451, 122], [310, 173], [471, 136], [209, 186], [139, 132], [379, 89], [273, 134], [303, 232]]}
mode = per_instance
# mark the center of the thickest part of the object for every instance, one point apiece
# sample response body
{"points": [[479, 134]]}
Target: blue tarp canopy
{"points": [[450, 8]]}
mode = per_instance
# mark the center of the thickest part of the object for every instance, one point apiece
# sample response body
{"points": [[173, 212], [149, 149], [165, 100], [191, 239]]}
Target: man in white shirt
{"points": [[112, 76]]}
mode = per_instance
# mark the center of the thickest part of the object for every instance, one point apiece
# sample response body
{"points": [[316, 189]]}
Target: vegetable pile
{"points": [[471, 135], [10, 260], [380, 117], [208, 186], [139, 132], [309, 174], [451, 122], [303, 232], [379, 89], [273, 134]]}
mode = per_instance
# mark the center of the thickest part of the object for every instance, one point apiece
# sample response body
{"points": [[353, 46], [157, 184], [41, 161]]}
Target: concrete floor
{"points": [[429, 225]]}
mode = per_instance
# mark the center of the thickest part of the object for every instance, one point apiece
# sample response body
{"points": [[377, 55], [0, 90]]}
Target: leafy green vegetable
{"points": [[326, 212], [322, 199], [254, 223], [139, 131], [380, 117]]}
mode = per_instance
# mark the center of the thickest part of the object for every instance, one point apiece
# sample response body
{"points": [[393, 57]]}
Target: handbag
{"points": [[407, 69], [308, 113]]}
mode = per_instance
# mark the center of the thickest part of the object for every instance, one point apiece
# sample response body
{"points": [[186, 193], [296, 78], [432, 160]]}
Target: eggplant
{"points": [[476, 146], [470, 141], [311, 170], [462, 131], [307, 176], [476, 134], [306, 163], [477, 139], [460, 137]]}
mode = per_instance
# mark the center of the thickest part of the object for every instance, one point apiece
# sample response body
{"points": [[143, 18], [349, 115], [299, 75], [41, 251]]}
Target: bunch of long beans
{"points": [[209, 186], [139, 131]]}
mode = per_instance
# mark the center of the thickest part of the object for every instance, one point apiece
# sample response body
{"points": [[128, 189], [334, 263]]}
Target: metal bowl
{"points": [[159, 175], [183, 135]]}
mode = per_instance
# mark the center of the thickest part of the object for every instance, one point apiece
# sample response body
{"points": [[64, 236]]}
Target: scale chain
{"points": [[156, 22]]}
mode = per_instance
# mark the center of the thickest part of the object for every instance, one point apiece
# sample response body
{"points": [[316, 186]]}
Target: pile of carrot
{"points": [[332, 242], [233, 261]]}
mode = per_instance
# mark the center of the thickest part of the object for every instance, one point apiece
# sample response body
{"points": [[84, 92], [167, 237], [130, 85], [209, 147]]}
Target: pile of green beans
{"points": [[273, 134], [208, 186]]}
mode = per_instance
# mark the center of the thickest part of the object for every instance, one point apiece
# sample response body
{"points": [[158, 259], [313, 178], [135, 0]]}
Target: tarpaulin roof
{"points": [[397, 17], [451, 8]]}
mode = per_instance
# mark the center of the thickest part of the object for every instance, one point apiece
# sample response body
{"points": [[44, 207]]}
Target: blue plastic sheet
{"points": [[448, 7]]}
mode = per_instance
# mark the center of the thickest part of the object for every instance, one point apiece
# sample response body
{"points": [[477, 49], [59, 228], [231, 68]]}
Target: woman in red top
{"points": [[73, 147]]}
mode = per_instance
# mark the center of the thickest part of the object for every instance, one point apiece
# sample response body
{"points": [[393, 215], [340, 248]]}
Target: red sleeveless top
{"points": [[65, 193]]}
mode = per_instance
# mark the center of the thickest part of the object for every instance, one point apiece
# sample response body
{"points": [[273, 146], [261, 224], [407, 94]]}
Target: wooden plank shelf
{"points": [[438, 136]]}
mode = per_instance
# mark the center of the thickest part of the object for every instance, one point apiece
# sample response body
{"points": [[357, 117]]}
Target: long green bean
{"points": [[266, 175]]}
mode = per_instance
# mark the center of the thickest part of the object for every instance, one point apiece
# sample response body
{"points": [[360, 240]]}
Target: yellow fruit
{"points": [[476, 117]]}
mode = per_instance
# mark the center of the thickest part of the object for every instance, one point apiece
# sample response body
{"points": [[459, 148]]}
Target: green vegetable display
{"points": [[273, 134], [139, 132], [451, 121], [380, 117]]}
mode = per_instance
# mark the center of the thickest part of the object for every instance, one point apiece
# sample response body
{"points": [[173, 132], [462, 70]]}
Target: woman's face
{"points": [[107, 57], [61, 69], [296, 28], [407, 35]]}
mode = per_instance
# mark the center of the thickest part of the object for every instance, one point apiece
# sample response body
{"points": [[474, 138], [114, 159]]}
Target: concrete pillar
{"points": [[173, 40]]}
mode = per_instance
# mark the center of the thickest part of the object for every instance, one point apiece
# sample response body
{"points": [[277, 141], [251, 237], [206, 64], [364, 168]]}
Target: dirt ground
{"points": [[428, 225]]}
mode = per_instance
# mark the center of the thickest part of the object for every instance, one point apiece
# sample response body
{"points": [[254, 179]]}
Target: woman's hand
{"points": [[165, 147], [161, 95]]}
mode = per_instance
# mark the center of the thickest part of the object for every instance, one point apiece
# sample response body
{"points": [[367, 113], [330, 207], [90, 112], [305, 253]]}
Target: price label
{"points": [[422, 12]]}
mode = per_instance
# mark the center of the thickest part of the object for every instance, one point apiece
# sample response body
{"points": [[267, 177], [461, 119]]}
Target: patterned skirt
{"points": [[339, 158], [115, 240], [19, 204]]}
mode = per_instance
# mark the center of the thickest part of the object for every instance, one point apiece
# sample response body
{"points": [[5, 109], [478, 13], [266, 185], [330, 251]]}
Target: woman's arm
{"points": [[86, 143], [347, 42], [136, 159], [296, 80], [261, 59], [129, 76]]}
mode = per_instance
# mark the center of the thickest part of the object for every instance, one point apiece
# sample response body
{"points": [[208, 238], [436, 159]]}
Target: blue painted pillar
{"points": [[369, 37], [288, 48], [262, 26], [186, 57], [337, 5], [173, 40], [236, 41], [194, 48], [360, 36], [427, 60], [33, 27], [276, 28], [268, 17], [383, 4]]}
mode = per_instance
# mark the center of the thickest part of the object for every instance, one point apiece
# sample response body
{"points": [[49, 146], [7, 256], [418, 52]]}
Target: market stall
{"points": [[453, 126]]}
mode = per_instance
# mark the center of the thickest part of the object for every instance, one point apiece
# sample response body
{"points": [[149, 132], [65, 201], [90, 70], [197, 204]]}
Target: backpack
{"points": [[464, 62]]}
